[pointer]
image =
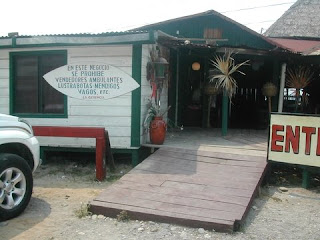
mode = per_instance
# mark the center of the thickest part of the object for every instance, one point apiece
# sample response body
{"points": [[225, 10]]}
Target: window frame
{"points": [[12, 85]]}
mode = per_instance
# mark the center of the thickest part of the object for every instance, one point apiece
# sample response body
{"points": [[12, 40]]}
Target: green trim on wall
{"points": [[135, 153], [136, 96], [173, 84], [11, 85], [75, 44], [39, 52], [81, 40]]}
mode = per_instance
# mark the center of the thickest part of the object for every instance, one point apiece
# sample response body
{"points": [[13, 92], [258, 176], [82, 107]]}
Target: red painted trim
{"points": [[99, 134], [80, 132]]}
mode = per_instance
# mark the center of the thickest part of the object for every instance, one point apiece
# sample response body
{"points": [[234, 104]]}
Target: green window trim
{"points": [[12, 87], [136, 95]]}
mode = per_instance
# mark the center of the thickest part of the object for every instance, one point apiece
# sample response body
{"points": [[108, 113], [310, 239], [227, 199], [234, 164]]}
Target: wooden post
{"points": [[100, 158], [209, 111], [225, 101], [269, 105]]}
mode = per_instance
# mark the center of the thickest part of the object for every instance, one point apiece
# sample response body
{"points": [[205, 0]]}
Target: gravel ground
{"points": [[281, 211]]}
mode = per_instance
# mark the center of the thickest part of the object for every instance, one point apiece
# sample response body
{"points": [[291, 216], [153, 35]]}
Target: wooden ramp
{"points": [[211, 188]]}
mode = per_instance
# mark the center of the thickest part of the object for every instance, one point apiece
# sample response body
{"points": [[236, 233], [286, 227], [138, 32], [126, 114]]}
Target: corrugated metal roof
{"points": [[239, 37], [81, 34], [304, 47]]}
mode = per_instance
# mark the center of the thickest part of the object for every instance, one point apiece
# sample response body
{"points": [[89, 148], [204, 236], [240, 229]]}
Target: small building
{"points": [[25, 59], [184, 42]]}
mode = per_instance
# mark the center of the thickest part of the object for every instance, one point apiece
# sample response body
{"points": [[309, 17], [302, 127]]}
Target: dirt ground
{"points": [[62, 189]]}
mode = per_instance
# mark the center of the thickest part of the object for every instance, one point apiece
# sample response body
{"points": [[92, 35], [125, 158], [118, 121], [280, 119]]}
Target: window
{"points": [[212, 33], [32, 95]]}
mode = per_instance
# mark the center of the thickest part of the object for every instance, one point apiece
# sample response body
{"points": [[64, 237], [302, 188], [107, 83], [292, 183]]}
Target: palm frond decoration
{"points": [[226, 66], [299, 78]]}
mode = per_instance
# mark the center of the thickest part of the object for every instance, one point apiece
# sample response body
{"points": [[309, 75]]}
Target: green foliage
{"points": [[83, 211], [123, 216], [113, 178], [153, 111]]}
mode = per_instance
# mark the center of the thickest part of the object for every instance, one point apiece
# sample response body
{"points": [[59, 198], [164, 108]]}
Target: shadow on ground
{"points": [[26, 220]]}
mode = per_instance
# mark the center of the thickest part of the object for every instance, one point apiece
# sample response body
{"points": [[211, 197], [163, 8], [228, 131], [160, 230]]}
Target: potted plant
{"points": [[155, 124], [157, 74]]}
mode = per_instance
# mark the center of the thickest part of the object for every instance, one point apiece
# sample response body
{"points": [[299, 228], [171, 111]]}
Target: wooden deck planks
{"points": [[181, 190], [198, 188], [204, 165], [146, 214], [173, 204], [218, 152]]}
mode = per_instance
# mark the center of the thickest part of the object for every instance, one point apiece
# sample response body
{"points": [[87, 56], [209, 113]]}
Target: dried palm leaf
{"points": [[299, 78], [226, 66]]}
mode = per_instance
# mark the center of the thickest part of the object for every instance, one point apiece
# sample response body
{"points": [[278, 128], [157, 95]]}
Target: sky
{"points": [[39, 17]]}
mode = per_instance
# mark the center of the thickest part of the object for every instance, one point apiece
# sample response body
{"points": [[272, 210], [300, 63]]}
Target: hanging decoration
{"points": [[157, 72], [196, 66], [157, 69], [269, 90]]}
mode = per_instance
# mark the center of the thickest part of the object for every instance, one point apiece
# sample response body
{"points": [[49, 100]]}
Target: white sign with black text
{"points": [[91, 81]]}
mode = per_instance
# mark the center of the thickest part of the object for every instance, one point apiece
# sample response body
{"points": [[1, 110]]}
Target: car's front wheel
{"points": [[15, 185]]}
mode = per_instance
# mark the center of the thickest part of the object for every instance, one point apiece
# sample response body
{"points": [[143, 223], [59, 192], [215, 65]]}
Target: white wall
{"points": [[113, 114], [4, 82]]}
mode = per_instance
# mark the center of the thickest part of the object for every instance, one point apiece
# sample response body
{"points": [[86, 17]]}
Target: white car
{"points": [[19, 158]]}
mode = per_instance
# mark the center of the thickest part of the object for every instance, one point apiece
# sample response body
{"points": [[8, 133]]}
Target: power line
{"points": [[252, 8], [258, 22], [236, 10]]}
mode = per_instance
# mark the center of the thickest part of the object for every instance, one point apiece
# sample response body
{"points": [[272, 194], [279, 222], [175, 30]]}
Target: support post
{"points": [[276, 81], [177, 90], [305, 178], [281, 89], [135, 157], [100, 158], [225, 101], [209, 111]]}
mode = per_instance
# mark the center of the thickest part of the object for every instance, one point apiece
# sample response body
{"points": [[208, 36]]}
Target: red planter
{"points": [[158, 130]]}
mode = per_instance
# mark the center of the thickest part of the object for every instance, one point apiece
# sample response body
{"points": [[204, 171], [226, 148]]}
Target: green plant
{"points": [[113, 178], [123, 216], [225, 66], [152, 112], [83, 211]]}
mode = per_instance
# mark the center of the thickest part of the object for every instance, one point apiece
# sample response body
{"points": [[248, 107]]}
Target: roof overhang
{"points": [[299, 46], [218, 45], [78, 39]]}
